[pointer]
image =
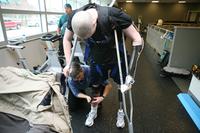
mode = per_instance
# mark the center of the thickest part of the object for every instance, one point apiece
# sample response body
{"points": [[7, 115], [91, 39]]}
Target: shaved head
{"points": [[83, 25]]}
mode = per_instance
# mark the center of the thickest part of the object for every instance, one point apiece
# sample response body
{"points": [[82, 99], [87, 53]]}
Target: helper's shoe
{"points": [[120, 119], [90, 119]]}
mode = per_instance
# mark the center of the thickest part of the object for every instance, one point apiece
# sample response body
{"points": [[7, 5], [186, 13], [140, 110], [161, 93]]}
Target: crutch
{"points": [[73, 50], [127, 85], [71, 58], [129, 119]]}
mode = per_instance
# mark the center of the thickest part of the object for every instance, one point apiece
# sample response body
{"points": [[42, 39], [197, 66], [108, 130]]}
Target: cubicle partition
{"points": [[155, 38], [184, 47]]}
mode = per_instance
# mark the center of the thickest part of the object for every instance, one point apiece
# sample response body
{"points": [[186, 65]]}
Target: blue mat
{"points": [[191, 107]]}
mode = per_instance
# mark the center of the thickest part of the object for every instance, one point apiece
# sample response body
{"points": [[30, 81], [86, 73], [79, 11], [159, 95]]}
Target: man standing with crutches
{"points": [[96, 24]]}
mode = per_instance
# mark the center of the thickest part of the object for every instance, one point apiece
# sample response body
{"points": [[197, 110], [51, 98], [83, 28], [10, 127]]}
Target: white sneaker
{"points": [[120, 119], [90, 119]]}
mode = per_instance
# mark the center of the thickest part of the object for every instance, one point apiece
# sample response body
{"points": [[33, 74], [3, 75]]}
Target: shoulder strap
{"points": [[103, 19]]}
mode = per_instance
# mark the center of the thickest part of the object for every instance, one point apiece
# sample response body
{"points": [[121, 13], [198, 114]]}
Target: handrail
{"points": [[5, 46], [160, 28]]}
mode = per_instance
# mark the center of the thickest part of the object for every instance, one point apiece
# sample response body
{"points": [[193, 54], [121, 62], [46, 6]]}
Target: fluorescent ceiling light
{"points": [[129, 1], [181, 1], [155, 1]]}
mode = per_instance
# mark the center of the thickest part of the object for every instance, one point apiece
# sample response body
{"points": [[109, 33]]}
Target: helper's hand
{"points": [[66, 71], [88, 98], [97, 100]]}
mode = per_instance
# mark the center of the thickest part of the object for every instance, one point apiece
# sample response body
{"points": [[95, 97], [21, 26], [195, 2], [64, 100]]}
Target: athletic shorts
{"points": [[101, 73]]}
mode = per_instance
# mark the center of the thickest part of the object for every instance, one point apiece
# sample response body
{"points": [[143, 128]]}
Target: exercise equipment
{"points": [[52, 63], [15, 46], [53, 60]]}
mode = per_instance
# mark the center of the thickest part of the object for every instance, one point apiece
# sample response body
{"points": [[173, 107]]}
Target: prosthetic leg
{"points": [[127, 85]]}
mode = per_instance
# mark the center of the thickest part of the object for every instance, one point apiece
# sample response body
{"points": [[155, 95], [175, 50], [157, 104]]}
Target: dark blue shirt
{"points": [[76, 86]]}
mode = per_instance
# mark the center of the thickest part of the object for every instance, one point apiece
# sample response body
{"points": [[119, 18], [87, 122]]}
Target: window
{"points": [[50, 5], [52, 21], [41, 5], [81, 3], [29, 17], [77, 3], [18, 25], [20, 4], [1, 34]]}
